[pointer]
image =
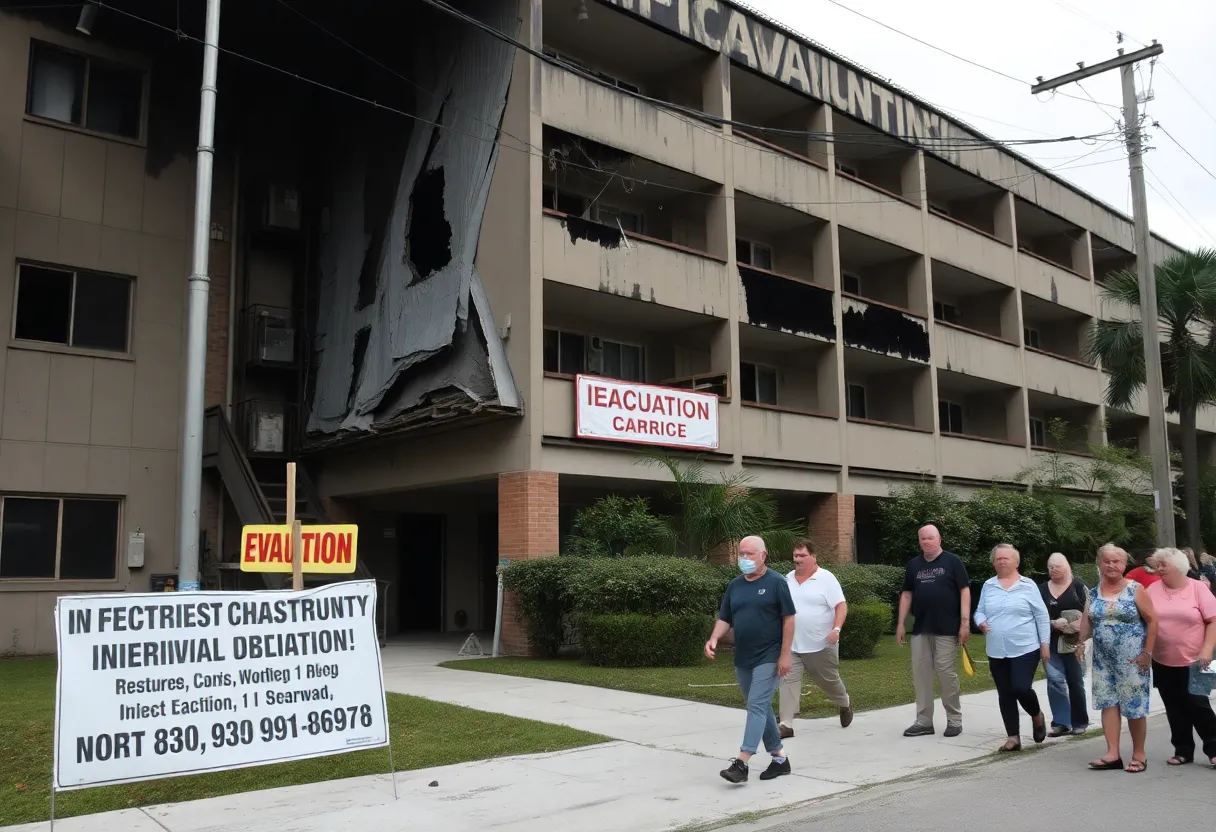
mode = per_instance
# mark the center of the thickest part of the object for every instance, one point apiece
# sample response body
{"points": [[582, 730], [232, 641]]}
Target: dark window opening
{"points": [[1038, 433], [76, 89], [945, 312], [855, 402], [850, 283], [65, 539], [757, 383], [950, 417], [1031, 337], [563, 201], [754, 254], [564, 352], [430, 234], [77, 309]]}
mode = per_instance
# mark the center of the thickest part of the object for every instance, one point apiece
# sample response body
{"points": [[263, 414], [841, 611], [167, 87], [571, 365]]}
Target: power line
{"points": [[1157, 124], [936, 48], [1180, 211], [1198, 103]]}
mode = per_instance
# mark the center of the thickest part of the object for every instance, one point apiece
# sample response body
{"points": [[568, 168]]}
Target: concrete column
{"points": [[1083, 255], [1011, 318], [920, 288], [924, 400], [823, 152], [830, 526], [1007, 229], [1004, 220], [1017, 420], [912, 179]]}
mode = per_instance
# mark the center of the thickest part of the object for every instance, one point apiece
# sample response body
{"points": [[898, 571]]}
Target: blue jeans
{"points": [[1066, 690], [758, 685]]}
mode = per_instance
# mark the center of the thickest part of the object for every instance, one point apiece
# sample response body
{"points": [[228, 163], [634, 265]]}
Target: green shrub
{"points": [[645, 585], [616, 525], [862, 630], [1087, 573], [541, 587], [634, 640]]}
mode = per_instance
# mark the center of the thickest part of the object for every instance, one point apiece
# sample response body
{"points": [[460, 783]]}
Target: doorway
{"points": [[487, 548], [422, 553]]}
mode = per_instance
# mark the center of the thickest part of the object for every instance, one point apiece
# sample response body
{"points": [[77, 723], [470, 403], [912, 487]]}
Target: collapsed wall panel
{"points": [[403, 319]]}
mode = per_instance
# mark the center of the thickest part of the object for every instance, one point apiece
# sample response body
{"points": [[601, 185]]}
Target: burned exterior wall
{"points": [[403, 325], [786, 305], [881, 329]]}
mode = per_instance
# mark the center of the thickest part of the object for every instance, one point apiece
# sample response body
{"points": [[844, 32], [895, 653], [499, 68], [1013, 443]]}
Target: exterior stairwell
{"points": [[264, 502]]}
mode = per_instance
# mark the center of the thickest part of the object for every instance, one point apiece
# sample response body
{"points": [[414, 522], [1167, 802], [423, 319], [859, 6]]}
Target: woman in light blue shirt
{"points": [[1014, 619]]}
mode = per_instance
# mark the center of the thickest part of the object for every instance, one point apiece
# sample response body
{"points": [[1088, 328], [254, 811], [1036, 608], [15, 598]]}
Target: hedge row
{"points": [[643, 611]]}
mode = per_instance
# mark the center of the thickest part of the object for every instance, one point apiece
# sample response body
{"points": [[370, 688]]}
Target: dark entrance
{"points": [[421, 548], [487, 550]]}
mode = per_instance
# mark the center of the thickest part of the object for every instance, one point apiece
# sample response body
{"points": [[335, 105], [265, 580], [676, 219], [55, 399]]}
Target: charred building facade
{"points": [[467, 259]]}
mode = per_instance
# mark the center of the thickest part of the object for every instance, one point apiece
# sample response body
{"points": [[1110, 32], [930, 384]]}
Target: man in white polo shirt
{"points": [[821, 610]]}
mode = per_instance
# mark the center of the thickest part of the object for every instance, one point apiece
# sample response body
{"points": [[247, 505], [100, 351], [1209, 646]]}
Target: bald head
{"points": [[752, 547], [930, 540]]}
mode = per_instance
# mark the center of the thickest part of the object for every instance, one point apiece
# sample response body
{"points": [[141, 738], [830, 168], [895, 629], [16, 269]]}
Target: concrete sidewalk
{"points": [[660, 773]]}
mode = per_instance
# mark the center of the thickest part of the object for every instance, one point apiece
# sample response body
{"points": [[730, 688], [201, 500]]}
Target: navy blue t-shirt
{"points": [[757, 610], [936, 586]]}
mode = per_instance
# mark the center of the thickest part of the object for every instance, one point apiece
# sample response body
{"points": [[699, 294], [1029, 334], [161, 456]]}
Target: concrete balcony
{"points": [[886, 447], [766, 170], [971, 249], [614, 118], [1063, 377], [974, 353], [646, 269], [878, 213], [1049, 281], [780, 434], [980, 458], [886, 330]]}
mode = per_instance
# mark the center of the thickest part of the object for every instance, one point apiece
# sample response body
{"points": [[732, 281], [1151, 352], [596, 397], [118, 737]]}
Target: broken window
{"points": [[950, 416], [757, 383], [943, 311], [754, 254], [855, 402]]}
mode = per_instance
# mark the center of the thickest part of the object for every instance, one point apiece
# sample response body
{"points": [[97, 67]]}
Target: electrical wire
{"points": [[1204, 167], [532, 150], [1198, 103], [1180, 210], [947, 52]]}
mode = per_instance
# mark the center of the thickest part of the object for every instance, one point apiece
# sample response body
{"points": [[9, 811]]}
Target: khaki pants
{"points": [[935, 655], [824, 669]]}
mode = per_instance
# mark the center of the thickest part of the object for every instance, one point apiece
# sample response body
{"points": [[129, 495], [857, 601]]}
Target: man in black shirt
{"points": [[759, 607], [938, 594]]}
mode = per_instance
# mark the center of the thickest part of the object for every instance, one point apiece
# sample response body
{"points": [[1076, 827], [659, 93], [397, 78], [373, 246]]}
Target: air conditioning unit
{"points": [[283, 208], [275, 338], [267, 428]]}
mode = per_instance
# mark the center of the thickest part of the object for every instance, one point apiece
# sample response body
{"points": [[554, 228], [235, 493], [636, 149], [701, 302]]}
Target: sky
{"points": [[1048, 37]]}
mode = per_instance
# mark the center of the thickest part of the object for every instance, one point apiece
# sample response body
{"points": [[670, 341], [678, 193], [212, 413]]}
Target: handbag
{"points": [[1201, 682]]}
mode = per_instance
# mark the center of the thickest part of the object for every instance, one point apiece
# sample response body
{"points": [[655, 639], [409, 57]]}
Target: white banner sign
{"points": [[645, 414], [160, 685]]}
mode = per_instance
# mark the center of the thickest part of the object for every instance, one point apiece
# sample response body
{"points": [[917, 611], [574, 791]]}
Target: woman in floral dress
{"points": [[1124, 629]]}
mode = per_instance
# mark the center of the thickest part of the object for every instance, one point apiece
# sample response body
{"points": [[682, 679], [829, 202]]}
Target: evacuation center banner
{"points": [[154, 685]]}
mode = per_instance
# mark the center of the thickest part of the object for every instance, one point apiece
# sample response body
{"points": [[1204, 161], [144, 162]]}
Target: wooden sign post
{"points": [[297, 543]]}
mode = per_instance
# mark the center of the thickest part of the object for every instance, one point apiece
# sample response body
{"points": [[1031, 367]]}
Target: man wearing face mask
{"points": [[760, 609]]}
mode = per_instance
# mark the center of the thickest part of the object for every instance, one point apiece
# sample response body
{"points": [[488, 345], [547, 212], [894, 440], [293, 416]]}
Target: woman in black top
{"points": [[1066, 599]]}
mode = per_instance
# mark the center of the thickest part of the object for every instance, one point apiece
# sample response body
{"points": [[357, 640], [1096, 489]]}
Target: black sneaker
{"points": [[952, 731], [919, 730], [736, 772], [776, 769], [1059, 731]]}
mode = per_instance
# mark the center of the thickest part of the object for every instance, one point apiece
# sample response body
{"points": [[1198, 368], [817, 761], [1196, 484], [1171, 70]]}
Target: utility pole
{"points": [[1163, 492], [191, 475]]}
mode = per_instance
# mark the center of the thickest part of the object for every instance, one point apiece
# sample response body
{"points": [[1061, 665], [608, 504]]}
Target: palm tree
{"points": [[711, 511], [1186, 308]]}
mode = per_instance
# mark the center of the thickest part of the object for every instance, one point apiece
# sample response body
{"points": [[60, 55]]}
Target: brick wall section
{"points": [[527, 528], [830, 526], [215, 384], [724, 553]]}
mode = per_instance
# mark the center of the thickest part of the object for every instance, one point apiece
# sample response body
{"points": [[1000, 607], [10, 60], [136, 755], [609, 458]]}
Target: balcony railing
{"points": [[982, 458], [887, 330], [883, 446], [779, 433], [787, 304], [974, 353]]}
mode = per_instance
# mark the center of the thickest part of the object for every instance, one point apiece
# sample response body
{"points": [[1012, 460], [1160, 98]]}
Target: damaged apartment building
{"points": [[468, 259]]}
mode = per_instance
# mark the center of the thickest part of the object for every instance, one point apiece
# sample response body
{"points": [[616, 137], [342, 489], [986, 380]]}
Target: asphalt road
{"points": [[1049, 788]]}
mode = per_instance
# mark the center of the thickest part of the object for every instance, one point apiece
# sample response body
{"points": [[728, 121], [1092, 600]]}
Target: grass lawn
{"points": [[879, 682], [424, 734]]}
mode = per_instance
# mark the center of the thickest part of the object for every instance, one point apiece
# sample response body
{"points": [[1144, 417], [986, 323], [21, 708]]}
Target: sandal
{"points": [[1106, 765], [1178, 761], [1009, 746], [1136, 766]]}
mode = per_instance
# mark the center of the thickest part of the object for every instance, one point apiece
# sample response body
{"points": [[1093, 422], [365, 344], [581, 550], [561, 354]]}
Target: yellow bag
{"points": [[968, 666]]}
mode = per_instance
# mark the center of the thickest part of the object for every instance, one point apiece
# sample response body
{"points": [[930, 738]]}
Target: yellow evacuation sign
{"points": [[327, 549]]}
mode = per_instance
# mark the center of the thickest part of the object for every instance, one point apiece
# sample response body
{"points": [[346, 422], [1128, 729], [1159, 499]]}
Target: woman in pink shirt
{"points": [[1186, 635]]}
